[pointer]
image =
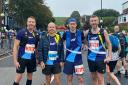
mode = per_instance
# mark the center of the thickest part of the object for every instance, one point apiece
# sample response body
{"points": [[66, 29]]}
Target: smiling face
{"points": [[94, 22], [31, 23], [51, 28], [72, 25]]}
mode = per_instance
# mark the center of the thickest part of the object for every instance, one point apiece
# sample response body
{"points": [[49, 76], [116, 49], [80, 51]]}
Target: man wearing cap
{"points": [[73, 61], [51, 54]]}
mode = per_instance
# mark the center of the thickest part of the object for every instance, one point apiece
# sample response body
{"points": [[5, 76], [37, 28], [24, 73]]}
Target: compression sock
{"points": [[108, 84], [29, 82], [15, 83]]}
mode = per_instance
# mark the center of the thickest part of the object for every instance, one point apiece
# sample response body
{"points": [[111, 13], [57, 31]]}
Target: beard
{"points": [[72, 29], [51, 31]]}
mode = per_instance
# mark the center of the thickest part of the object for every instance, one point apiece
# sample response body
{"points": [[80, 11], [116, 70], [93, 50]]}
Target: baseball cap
{"points": [[72, 20]]}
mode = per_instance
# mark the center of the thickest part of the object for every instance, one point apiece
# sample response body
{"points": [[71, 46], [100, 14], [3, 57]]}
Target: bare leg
{"points": [[69, 79], [100, 78], [94, 78], [48, 79], [58, 79], [80, 79]]}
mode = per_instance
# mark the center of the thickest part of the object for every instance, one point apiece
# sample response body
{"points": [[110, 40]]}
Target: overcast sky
{"points": [[61, 8]]}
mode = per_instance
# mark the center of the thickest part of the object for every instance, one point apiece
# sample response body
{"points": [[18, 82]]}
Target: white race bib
{"points": [[79, 69], [94, 44], [53, 58], [30, 48], [52, 55]]}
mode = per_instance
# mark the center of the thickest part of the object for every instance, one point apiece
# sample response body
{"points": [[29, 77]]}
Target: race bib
{"points": [[79, 69], [52, 55], [94, 44], [30, 48], [52, 58]]}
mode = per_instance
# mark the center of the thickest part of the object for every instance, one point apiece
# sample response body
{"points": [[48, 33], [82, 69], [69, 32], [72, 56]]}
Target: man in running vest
{"points": [[97, 59], [121, 64], [24, 51], [73, 61]]}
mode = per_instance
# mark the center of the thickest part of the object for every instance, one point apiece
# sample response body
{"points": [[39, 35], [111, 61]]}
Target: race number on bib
{"points": [[30, 48], [52, 55], [79, 69], [94, 44]]}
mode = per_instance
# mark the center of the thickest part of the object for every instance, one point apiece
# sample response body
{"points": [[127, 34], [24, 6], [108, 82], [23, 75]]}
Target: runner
{"points": [[51, 54], [96, 37], [73, 61], [115, 57], [24, 51], [121, 64]]}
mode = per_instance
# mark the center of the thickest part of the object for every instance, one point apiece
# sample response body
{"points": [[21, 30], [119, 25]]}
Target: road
{"points": [[7, 74]]}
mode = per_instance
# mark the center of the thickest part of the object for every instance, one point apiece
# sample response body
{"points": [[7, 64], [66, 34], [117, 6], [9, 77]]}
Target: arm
{"points": [[119, 50], [15, 52], [82, 37], [86, 39], [40, 50], [62, 53], [15, 49], [108, 43]]}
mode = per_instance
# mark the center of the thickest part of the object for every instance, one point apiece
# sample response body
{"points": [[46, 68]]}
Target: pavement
{"points": [[4, 48], [7, 74]]}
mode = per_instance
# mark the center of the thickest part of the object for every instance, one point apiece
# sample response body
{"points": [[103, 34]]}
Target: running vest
{"points": [[24, 40], [96, 44], [68, 38], [28, 43], [73, 46]]}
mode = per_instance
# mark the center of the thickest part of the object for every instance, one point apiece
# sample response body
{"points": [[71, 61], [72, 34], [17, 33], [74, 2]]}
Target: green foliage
{"points": [[21, 9], [60, 21], [76, 15], [122, 27], [109, 16], [109, 21], [106, 13]]}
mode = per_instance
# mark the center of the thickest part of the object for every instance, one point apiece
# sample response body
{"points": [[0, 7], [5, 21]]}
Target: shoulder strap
{"points": [[57, 38], [100, 37], [68, 37], [24, 40]]}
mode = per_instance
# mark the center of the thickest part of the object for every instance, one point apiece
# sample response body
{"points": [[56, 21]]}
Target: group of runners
{"points": [[54, 52]]}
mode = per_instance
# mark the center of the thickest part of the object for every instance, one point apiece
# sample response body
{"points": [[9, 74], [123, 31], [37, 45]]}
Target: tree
{"points": [[109, 16], [19, 10], [106, 13], [76, 15]]}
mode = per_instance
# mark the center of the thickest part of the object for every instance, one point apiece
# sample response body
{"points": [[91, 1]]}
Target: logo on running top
{"points": [[73, 39], [94, 44], [93, 38], [79, 69], [30, 48], [52, 43]]}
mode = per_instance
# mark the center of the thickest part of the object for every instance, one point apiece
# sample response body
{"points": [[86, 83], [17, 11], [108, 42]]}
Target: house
{"points": [[123, 18]]}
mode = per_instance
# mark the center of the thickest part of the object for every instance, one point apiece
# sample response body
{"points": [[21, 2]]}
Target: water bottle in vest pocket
{"points": [[114, 42]]}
